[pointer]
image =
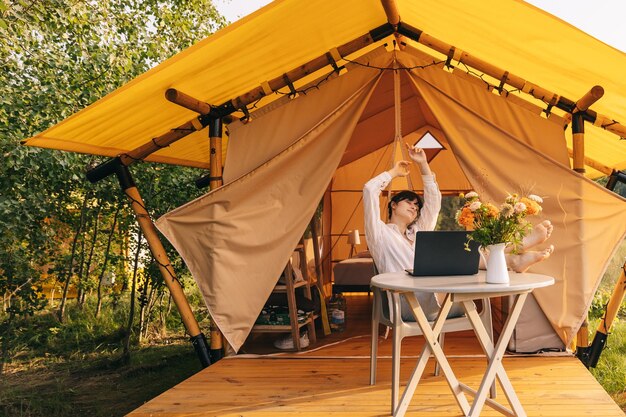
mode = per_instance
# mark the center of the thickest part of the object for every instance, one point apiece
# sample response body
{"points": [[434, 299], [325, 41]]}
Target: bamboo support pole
{"points": [[578, 142], [167, 271], [598, 166], [588, 99], [316, 254], [182, 99], [319, 271], [582, 336], [191, 103], [215, 157], [393, 17], [158, 251], [614, 303], [578, 126], [215, 181], [314, 65], [157, 143], [391, 10]]}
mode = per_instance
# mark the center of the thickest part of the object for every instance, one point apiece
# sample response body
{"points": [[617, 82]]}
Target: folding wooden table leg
{"points": [[495, 355], [432, 344]]}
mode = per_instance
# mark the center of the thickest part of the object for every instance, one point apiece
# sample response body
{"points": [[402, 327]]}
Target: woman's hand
{"points": [[417, 155], [400, 169]]}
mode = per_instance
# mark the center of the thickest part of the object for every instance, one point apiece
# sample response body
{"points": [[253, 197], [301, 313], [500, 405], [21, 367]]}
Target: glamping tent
{"points": [[362, 80]]}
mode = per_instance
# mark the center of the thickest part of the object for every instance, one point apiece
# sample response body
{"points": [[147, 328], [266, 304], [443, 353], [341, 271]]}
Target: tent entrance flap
{"points": [[236, 239]]}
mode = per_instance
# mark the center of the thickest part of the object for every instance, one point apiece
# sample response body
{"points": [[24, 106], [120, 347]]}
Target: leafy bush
{"points": [[599, 303]]}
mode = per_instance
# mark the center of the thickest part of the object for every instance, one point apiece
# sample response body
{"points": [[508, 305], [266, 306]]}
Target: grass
{"points": [[610, 371], [76, 368], [97, 384]]}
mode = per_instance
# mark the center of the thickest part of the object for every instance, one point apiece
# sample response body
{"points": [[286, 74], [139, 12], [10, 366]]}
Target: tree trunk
{"points": [[81, 263], [150, 302], [70, 267], [131, 313], [106, 260], [167, 313], [124, 252], [94, 239], [4, 355], [161, 310], [143, 308]]}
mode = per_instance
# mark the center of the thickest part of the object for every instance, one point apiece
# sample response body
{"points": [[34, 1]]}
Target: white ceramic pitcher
{"points": [[495, 263]]}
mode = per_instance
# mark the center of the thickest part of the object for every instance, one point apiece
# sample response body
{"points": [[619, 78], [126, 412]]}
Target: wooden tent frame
{"points": [[214, 116]]}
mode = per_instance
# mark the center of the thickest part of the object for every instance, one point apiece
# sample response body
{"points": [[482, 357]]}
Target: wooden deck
{"points": [[332, 378]]}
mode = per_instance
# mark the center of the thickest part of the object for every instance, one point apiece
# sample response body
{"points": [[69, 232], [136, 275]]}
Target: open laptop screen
{"points": [[443, 253]]}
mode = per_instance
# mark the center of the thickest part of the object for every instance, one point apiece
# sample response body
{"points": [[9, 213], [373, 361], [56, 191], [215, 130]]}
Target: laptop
{"points": [[443, 253]]}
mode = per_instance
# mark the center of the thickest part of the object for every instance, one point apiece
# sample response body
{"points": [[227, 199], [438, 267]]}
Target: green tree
{"points": [[57, 57]]}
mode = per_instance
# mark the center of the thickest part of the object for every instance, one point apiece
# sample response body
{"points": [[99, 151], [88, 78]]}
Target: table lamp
{"points": [[353, 239]]}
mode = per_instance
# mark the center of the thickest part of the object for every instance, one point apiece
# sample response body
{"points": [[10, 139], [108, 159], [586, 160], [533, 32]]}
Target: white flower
{"points": [[475, 206], [519, 207], [506, 210], [471, 194], [535, 198]]}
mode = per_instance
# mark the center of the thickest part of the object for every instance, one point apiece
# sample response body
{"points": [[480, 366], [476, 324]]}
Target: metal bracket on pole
{"points": [[614, 178]]}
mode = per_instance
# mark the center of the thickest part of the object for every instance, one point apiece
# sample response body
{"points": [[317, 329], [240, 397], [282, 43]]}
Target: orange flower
{"points": [[465, 217], [532, 207], [492, 211]]}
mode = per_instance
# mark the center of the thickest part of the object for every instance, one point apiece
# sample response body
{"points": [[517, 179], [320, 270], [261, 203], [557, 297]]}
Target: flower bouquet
{"points": [[494, 228]]}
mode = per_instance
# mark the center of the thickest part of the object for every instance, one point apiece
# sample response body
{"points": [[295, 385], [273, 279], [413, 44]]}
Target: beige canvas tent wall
{"points": [[236, 239], [286, 34]]}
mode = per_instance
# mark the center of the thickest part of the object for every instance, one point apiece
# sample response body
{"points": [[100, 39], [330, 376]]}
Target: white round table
{"points": [[462, 289]]}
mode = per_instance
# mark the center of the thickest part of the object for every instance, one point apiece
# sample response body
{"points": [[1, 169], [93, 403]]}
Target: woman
{"points": [[392, 244]]}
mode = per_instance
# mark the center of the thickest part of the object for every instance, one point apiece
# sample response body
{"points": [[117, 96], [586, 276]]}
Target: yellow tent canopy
{"points": [[285, 34]]}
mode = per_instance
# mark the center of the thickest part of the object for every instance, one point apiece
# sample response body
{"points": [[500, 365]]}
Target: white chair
{"points": [[405, 329]]}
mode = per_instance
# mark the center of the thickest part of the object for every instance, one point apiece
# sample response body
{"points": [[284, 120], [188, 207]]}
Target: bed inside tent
{"points": [[325, 144]]}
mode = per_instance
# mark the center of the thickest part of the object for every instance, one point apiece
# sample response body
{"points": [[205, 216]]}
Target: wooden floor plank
{"points": [[311, 387], [334, 381]]}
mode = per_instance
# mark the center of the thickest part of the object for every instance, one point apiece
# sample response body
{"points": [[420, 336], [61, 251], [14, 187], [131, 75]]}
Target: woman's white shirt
{"points": [[393, 252]]}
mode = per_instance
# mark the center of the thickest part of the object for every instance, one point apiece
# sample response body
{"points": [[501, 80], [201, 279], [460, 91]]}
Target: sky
{"points": [[602, 19]]}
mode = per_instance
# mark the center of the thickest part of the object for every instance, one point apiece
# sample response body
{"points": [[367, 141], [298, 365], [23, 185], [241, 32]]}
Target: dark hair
{"points": [[405, 195]]}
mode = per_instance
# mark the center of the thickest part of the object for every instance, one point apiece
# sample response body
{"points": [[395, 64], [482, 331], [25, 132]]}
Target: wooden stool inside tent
{"points": [[295, 276]]}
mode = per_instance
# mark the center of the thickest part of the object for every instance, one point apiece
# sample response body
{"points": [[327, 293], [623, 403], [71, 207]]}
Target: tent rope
{"points": [[434, 63], [399, 141], [294, 92]]}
